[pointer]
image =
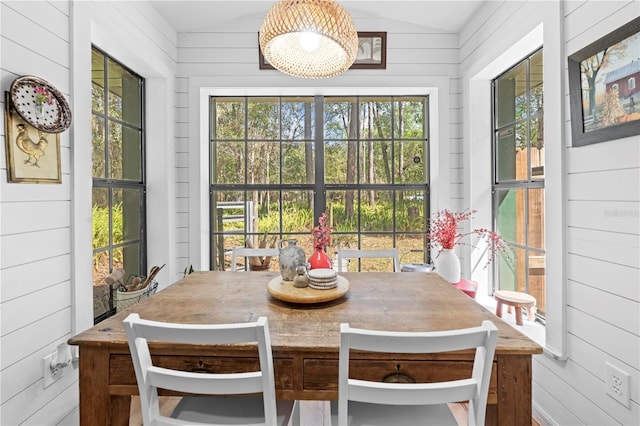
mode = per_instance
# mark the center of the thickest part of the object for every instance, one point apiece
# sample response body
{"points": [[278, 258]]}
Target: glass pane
{"points": [[341, 211], [97, 81], [131, 154], [298, 118], [131, 260], [340, 162], [100, 218], [374, 242], [375, 162], [297, 212], [118, 259], [228, 160], [375, 118], [261, 213], [409, 118], [511, 153], [410, 161], [511, 219], [98, 146], [511, 269], [229, 118], [537, 149], [264, 162], [411, 248], [125, 153], [410, 211], [511, 91], [115, 150], [125, 93], [263, 118], [101, 261], [537, 280], [376, 210], [117, 216], [298, 162], [339, 119], [536, 218], [535, 83], [131, 208]]}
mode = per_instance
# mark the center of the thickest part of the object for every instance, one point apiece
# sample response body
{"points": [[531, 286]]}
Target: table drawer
{"points": [[122, 373], [322, 374]]}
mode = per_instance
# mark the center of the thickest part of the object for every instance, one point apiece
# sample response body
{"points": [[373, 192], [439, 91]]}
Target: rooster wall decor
{"points": [[33, 155]]}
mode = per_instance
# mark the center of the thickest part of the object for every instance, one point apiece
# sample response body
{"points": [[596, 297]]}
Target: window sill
{"points": [[532, 329]]}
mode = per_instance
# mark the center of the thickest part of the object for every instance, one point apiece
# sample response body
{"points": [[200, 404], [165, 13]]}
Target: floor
{"points": [[311, 412]]}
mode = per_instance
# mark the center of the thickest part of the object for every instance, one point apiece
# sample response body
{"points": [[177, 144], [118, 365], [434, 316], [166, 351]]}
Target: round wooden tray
{"points": [[285, 291]]}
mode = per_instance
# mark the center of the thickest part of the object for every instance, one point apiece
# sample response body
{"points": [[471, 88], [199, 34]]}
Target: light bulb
{"points": [[309, 41]]}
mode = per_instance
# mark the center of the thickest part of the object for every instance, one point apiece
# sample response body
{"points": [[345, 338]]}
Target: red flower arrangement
{"points": [[321, 233], [443, 234]]}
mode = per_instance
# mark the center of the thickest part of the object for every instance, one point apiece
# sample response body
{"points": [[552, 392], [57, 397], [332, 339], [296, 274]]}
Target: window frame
{"points": [[111, 184], [525, 185], [320, 187]]}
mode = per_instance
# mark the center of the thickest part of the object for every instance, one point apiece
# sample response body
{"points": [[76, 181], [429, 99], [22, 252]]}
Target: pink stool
{"points": [[468, 286], [517, 300]]}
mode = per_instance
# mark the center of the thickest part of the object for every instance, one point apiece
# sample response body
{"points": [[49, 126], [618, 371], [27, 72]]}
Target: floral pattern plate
{"points": [[40, 104]]}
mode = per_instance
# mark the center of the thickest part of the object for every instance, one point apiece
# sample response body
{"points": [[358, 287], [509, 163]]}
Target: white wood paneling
{"points": [[612, 216], [608, 276], [618, 342], [18, 218], [605, 185]]}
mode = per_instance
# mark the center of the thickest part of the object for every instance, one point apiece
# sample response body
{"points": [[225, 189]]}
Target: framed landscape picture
{"points": [[33, 156], [604, 87]]}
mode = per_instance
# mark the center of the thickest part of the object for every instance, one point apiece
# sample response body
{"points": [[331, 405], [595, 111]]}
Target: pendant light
{"points": [[309, 38]]}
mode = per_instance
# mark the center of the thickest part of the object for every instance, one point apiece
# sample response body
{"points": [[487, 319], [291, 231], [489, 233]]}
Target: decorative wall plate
{"points": [[40, 104]]}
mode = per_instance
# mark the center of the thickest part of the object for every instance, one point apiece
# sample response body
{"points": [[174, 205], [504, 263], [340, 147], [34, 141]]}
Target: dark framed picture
{"points": [[33, 156], [372, 52], [604, 87]]}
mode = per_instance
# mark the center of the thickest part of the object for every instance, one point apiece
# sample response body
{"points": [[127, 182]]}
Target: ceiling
{"points": [[445, 15]]}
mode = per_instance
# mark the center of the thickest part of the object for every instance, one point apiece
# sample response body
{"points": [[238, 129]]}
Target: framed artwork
{"points": [[604, 87], [372, 52], [33, 156]]}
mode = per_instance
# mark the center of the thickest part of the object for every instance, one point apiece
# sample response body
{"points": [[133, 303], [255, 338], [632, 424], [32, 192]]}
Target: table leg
{"points": [[514, 390], [95, 402], [498, 309]]}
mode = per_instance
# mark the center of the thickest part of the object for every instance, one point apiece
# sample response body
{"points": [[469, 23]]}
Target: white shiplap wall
{"points": [[45, 256], [35, 230], [600, 221], [227, 56]]}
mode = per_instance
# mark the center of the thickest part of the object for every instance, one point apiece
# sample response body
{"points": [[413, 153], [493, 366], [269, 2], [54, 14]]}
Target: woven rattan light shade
{"points": [[284, 25]]}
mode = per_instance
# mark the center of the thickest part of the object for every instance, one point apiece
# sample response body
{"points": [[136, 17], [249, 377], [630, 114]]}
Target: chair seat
{"points": [[224, 410], [364, 414]]}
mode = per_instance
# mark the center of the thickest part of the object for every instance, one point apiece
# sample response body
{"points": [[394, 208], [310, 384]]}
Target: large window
{"points": [[518, 177], [277, 163], [118, 174]]}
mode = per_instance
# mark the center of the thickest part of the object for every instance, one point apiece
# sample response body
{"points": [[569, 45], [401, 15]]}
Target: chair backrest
{"points": [[250, 252], [369, 254], [151, 377], [474, 389]]}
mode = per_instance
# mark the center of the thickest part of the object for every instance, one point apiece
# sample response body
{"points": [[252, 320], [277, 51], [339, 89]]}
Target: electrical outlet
{"points": [[49, 375], [618, 385]]}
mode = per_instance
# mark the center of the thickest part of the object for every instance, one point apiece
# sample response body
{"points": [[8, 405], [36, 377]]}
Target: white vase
{"points": [[448, 265]]}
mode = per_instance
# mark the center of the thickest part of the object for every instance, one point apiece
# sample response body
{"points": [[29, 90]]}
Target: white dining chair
{"points": [[343, 254], [362, 402], [216, 407], [247, 252]]}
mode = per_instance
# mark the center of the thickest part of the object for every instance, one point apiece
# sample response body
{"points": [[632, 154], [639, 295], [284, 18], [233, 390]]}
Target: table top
{"points": [[375, 300]]}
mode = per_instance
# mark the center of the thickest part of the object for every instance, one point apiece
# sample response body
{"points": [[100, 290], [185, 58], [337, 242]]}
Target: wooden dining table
{"points": [[305, 340]]}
